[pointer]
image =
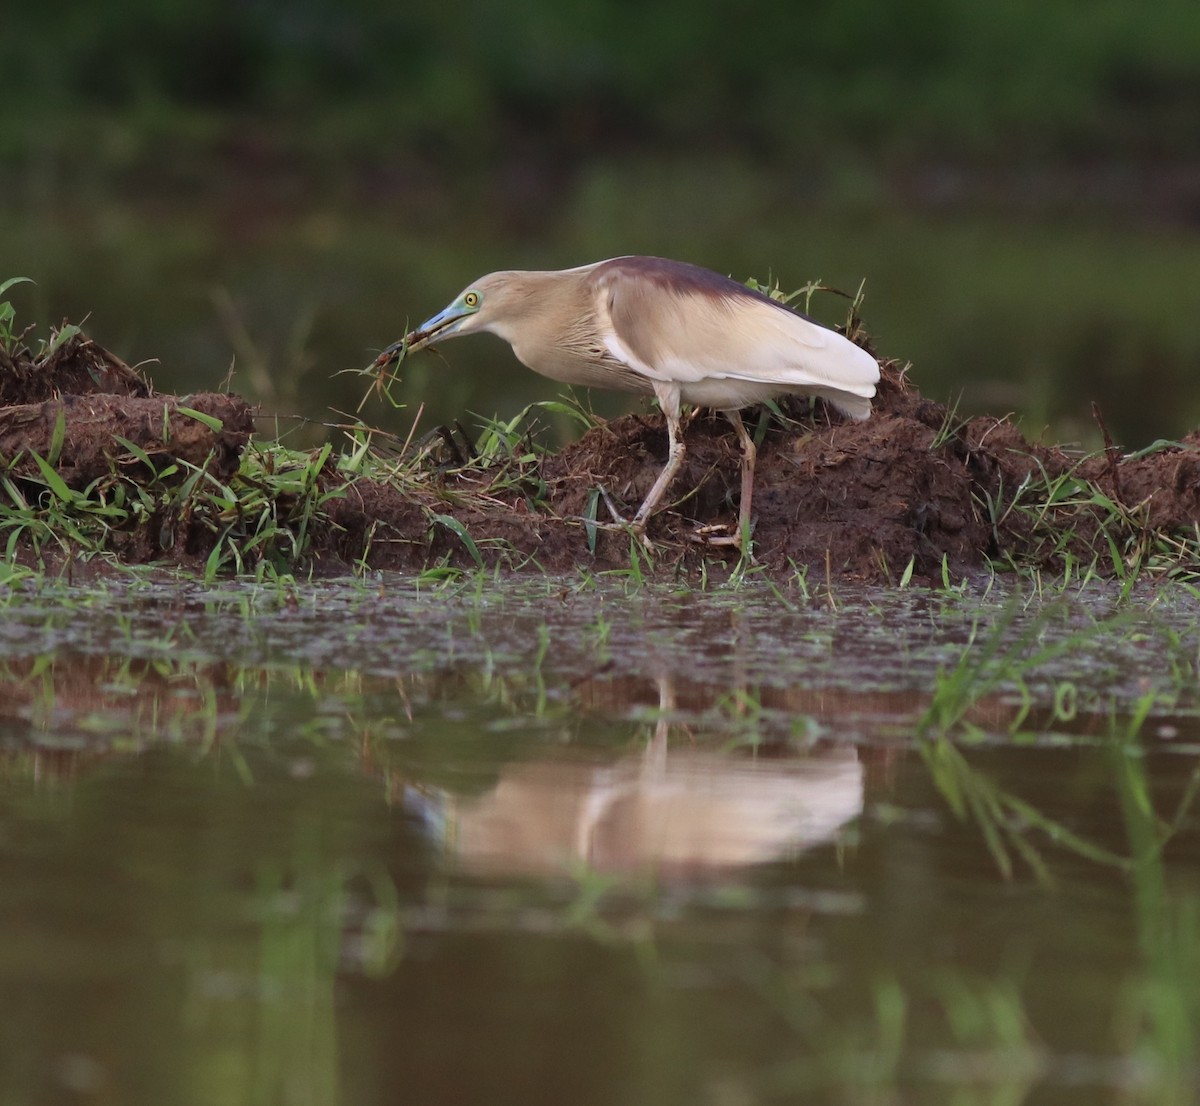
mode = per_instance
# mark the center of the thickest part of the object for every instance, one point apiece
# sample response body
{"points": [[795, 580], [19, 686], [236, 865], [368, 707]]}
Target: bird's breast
{"points": [[586, 366]]}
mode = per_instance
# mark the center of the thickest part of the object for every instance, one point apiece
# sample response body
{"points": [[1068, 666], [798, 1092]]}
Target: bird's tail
{"points": [[852, 406]]}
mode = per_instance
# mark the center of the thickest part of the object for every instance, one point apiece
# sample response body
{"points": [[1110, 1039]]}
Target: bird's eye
{"points": [[471, 299]]}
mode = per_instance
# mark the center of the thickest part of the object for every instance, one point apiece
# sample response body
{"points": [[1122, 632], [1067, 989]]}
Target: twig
{"points": [[1111, 453]]}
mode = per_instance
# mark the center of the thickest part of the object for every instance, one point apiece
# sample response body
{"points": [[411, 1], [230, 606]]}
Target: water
{"points": [[572, 840], [1035, 316]]}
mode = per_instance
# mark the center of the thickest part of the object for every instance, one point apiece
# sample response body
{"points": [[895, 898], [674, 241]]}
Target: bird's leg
{"points": [[675, 456], [668, 398], [749, 456], [654, 762]]}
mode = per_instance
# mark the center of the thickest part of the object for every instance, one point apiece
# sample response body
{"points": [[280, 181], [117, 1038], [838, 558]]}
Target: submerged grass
{"points": [[997, 667]]}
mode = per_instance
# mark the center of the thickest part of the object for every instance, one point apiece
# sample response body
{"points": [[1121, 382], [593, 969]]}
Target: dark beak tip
{"points": [[394, 352], [399, 349]]}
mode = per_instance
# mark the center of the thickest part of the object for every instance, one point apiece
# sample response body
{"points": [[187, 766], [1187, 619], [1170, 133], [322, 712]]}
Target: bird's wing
{"points": [[674, 323]]}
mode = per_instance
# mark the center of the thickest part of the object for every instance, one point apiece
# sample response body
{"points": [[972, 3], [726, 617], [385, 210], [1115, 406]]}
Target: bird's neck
{"points": [[542, 307]]}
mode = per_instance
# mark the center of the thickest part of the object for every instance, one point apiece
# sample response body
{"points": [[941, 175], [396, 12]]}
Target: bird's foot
{"points": [[617, 517], [717, 533], [635, 526], [722, 533]]}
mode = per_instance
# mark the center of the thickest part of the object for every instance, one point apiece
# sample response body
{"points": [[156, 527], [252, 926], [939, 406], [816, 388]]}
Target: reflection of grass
{"points": [[1161, 1014], [1005, 820], [113, 702], [315, 918], [971, 1035], [987, 1052], [1158, 1022], [295, 1046]]}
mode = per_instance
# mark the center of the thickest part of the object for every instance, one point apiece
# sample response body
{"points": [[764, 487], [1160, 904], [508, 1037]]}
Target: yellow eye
{"points": [[471, 299]]}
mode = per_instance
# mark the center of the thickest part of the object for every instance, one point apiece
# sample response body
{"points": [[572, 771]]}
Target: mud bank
{"points": [[912, 491], [855, 500]]}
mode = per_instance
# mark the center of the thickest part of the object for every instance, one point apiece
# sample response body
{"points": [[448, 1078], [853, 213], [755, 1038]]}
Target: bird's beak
{"points": [[441, 325]]}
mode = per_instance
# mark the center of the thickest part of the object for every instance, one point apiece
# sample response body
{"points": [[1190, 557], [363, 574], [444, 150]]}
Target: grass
{"points": [[1067, 519], [994, 669], [988, 1051], [988, 664], [1159, 1017], [263, 517], [262, 520], [1007, 823], [9, 338], [273, 515]]}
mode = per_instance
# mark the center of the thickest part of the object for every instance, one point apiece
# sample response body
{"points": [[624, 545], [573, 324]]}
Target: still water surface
{"points": [[578, 841]]}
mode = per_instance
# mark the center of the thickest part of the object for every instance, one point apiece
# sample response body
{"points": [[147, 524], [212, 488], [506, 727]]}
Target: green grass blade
{"points": [[54, 482], [6, 285], [454, 526], [589, 519], [211, 421], [58, 437], [61, 337], [135, 450]]}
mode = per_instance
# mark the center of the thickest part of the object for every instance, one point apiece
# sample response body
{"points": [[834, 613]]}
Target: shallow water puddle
{"points": [[568, 841]]}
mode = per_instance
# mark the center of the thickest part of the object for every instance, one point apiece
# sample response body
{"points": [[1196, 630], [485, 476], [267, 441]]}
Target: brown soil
{"points": [[856, 500], [71, 405]]}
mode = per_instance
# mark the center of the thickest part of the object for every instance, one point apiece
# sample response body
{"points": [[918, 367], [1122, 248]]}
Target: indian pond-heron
{"points": [[667, 328]]}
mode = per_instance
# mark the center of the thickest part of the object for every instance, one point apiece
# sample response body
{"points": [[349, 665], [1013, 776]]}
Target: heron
{"points": [[679, 332]]}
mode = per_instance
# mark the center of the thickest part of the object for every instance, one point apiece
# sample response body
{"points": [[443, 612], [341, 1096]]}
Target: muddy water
{"points": [[580, 841]]}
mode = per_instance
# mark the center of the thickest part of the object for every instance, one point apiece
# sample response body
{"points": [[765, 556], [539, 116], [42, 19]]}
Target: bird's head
{"points": [[486, 304]]}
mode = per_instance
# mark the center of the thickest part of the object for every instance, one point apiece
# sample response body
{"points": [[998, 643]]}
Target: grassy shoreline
{"points": [[917, 495]]}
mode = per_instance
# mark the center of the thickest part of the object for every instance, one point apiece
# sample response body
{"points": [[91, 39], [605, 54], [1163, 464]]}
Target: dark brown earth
{"points": [[94, 397], [854, 500], [911, 485]]}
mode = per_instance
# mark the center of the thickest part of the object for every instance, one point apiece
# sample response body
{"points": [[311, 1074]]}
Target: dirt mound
{"points": [[72, 365], [860, 499], [910, 492], [89, 417]]}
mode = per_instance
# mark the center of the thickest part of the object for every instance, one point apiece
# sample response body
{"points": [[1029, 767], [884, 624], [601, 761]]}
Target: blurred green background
{"points": [[283, 187]]}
